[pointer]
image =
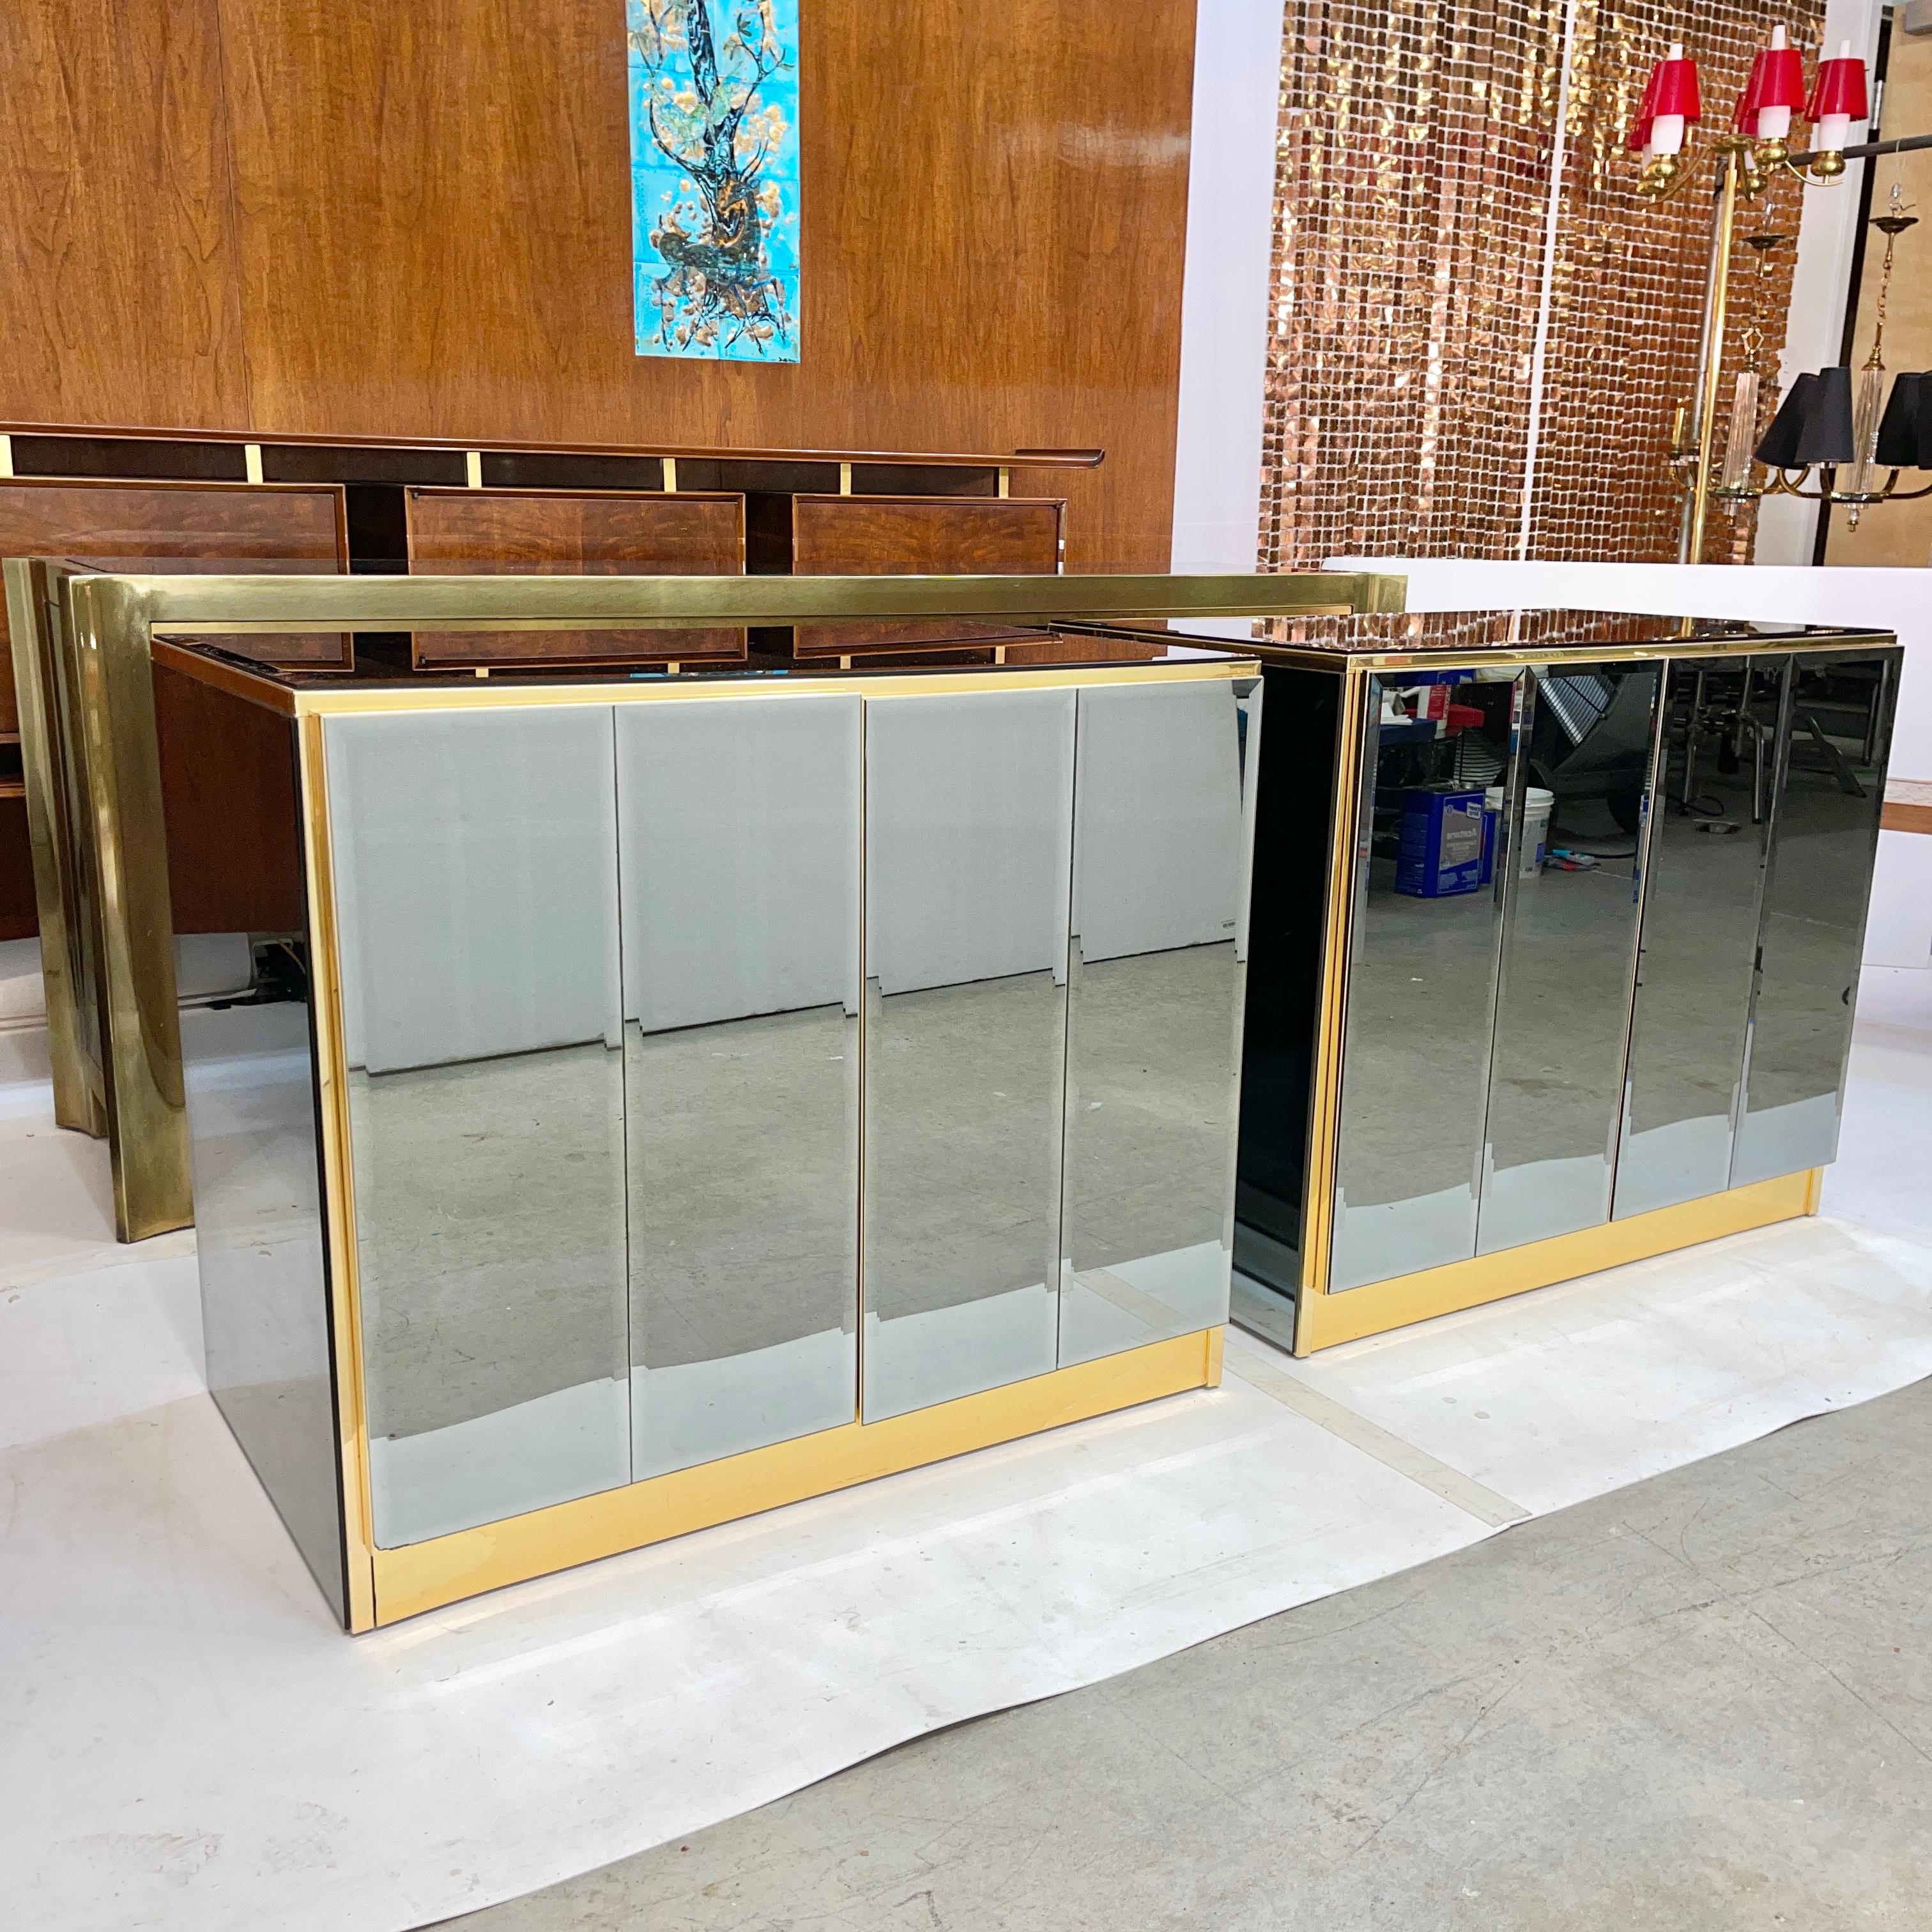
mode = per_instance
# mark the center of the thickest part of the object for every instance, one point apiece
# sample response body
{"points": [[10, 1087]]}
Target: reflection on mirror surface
{"points": [[248, 1071], [739, 831], [1824, 843], [476, 877], [1569, 953], [1422, 973], [1161, 838], [1700, 920], [969, 820]]}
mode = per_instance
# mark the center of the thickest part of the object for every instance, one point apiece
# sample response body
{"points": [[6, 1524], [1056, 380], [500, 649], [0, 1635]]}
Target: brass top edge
{"points": [[875, 684], [180, 605], [1070, 458], [1758, 645]]}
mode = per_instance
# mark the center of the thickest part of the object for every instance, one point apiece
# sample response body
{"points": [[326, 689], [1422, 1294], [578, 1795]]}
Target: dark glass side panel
{"points": [[248, 1060], [1294, 816], [1824, 843]]}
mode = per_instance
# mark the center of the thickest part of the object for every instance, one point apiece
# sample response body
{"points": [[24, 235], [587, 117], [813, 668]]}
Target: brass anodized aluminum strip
{"points": [[1327, 1319], [496, 693], [183, 606], [423, 1576], [1325, 1103], [78, 1102], [147, 1131], [1756, 644], [331, 1081]]}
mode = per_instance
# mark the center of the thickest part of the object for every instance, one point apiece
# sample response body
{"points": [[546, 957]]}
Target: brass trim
{"points": [[1325, 1099], [1325, 1320], [880, 689], [107, 619], [187, 606], [425, 1576], [1500, 655], [331, 1087], [61, 903]]}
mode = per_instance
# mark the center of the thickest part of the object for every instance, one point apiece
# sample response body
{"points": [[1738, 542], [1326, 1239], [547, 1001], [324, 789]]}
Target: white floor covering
{"points": [[187, 1740]]}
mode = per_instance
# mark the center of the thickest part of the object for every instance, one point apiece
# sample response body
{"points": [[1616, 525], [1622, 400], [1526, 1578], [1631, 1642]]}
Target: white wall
{"points": [[1217, 468]]}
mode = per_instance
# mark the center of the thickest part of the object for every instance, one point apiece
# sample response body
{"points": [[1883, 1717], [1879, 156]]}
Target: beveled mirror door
{"points": [[1569, 951], [476, 890], [969, 812], [1427, 922], [1702, 889], [739, 847], [1163, 830], [1833, 749]]}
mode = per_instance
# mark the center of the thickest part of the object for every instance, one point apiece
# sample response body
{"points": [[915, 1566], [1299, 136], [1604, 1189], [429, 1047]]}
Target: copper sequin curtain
{"points": [[1412, 229]]}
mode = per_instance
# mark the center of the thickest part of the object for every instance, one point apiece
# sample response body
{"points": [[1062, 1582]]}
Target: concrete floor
{"points": [[1704, 1701]]}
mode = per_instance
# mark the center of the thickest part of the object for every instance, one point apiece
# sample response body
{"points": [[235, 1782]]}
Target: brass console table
{"points": [[82, 650]]}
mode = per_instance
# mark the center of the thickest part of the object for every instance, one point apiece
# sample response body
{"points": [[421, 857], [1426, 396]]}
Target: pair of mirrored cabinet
{"points": [[715, 1093], [1557, 948]]}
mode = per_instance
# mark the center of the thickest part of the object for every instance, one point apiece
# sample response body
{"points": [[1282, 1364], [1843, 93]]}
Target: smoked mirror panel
{"points": [[1824, 843], [969, 812], [1705, 868], [1422, 972], [1163, 830], [476, 886], [739, 831], [1569, 951], [248, 1066]]}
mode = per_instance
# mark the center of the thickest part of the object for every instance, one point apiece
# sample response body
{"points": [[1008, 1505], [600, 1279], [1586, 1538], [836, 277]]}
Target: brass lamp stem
{"points": [[1710, 363]]}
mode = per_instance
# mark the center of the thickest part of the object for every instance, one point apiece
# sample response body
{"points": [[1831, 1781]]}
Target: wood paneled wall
{"points": [[351, 216]]}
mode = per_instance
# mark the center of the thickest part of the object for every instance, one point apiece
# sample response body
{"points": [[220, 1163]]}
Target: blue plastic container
{"points": [[1440, 851]]}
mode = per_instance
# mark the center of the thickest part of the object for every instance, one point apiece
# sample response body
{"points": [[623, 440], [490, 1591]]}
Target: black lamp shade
{"points": [[1779, 446], [1825, 436], [1904, 435]]}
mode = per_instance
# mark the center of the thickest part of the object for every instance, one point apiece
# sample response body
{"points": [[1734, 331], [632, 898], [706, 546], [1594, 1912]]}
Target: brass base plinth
{"points": [[1325, 1320], [425, 1576]]}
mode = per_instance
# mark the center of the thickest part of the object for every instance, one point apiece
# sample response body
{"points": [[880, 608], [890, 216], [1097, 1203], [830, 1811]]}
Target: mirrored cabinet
{"points": [[723, 1090], [1565, 974]]}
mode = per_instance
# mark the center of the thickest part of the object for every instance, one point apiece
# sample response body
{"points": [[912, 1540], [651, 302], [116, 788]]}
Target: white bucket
{"points": [[1536, 806]]}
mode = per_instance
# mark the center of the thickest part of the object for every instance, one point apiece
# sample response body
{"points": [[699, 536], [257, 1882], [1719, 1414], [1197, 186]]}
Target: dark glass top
{"points": [[1514, 632]]}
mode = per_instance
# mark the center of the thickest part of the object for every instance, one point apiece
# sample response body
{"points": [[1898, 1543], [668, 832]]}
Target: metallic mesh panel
{"points": [[1411, 197], [1628, 287], [1412, 210]]}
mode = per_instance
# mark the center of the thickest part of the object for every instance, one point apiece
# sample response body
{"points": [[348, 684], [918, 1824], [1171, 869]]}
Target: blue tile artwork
{"points": [[715, 178]]}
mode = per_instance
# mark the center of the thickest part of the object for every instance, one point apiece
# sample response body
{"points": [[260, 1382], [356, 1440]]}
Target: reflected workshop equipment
{"points": [[1629, 1036], [664, 1098]]}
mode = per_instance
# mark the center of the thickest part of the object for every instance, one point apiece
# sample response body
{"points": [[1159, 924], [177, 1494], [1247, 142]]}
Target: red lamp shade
{"points": [[1671, 90], [1639, 138], [1677, 89], [1840, 88], [1776, 80]]}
